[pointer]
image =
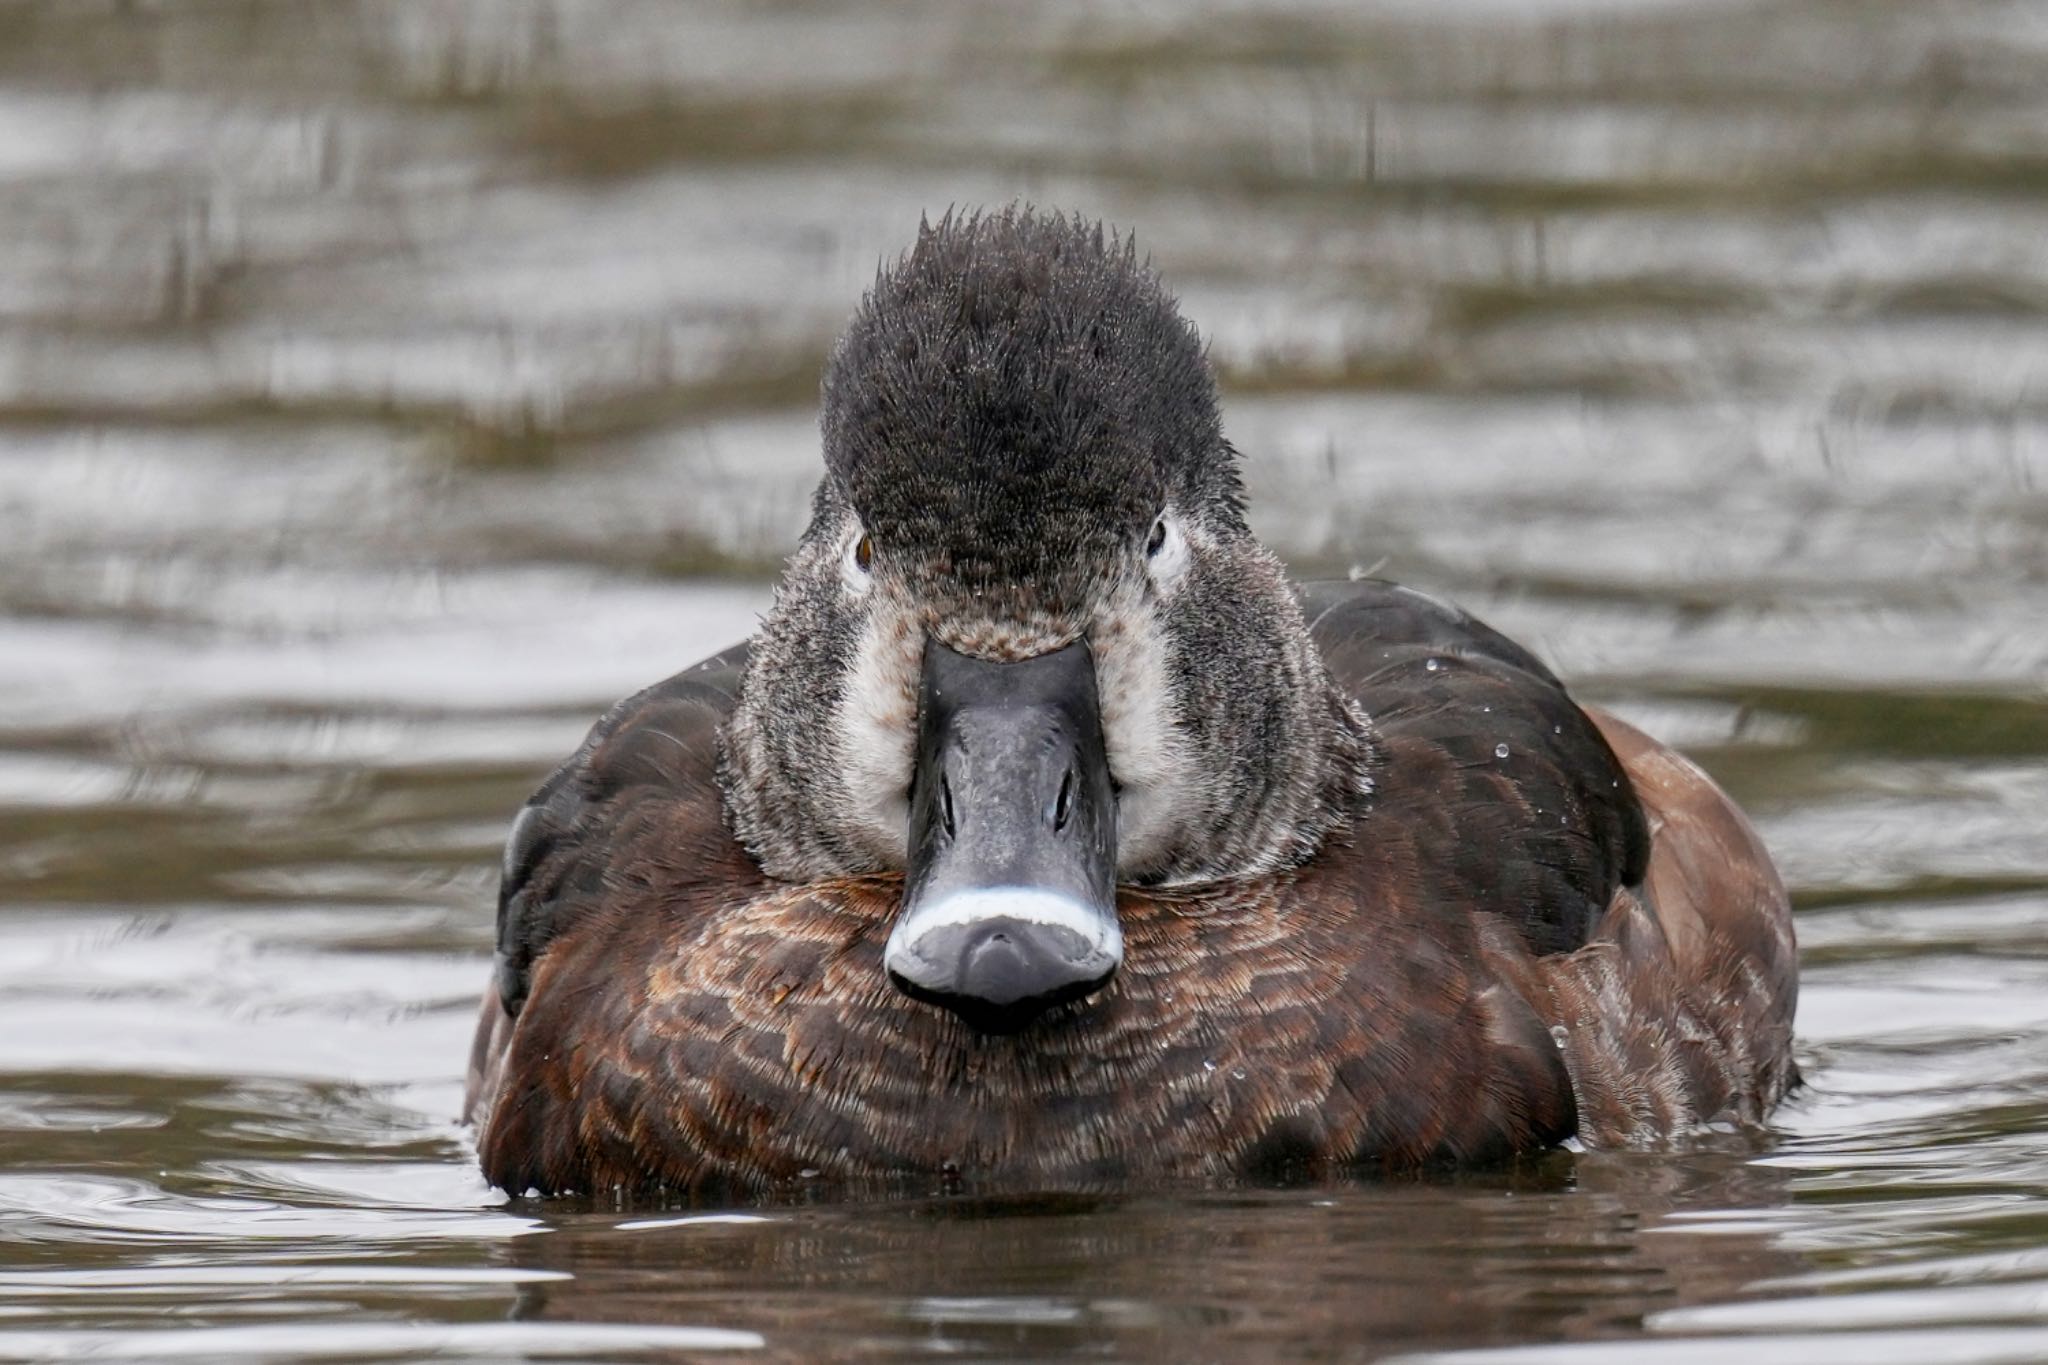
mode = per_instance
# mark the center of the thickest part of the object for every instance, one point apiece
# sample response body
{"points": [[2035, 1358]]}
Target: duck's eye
{"points": [[855, 562], [1166, 551]]}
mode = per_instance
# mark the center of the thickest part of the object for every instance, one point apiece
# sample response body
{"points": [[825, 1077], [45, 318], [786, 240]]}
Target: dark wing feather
{"points": [[565, 842], [1519, 801], [1356, 617]]}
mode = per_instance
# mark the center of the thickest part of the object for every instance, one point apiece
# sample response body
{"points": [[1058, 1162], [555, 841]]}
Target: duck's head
{"points": [[1028, 648]]}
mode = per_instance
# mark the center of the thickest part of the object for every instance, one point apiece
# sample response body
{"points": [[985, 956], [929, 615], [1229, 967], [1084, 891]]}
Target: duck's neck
{"points": [[1334, 777], [1293, 761], [1238, 753]]}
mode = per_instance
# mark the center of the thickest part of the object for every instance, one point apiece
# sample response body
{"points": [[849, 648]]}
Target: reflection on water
{"points": [[386, 387], [1556, 1248]]}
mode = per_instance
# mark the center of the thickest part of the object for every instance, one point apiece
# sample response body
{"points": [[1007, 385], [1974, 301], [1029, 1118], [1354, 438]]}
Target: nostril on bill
{"points": [[1063, 805]]}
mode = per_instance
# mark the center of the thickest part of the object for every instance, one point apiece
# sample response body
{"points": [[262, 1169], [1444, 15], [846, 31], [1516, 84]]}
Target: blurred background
{"points": [[387, 387]]}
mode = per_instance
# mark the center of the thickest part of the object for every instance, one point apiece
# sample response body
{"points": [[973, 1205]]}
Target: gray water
{"points": [[386, 387]]}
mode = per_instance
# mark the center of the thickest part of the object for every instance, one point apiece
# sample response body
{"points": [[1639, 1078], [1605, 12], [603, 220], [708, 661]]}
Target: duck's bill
{"points": [[1009, 905]]}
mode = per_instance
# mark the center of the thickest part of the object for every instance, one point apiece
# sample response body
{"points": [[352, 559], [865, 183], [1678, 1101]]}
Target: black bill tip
{"points": [[1000, 959]]}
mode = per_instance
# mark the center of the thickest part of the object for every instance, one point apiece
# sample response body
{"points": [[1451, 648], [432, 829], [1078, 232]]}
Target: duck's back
{"points": [[1505, 947]]}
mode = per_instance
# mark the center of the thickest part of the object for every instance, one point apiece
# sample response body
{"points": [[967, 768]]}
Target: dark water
{"points": [[384, 387]]}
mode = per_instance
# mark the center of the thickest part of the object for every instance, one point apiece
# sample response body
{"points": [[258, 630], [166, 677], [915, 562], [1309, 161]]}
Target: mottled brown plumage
{"points": [[1538, 923]]}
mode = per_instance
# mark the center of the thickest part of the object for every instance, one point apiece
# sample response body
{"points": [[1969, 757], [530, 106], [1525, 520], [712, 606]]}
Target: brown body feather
{"points": [[1540, 923]]}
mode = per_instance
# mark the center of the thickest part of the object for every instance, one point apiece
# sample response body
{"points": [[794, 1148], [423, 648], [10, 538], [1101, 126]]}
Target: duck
{"points": [[1047, 834]]}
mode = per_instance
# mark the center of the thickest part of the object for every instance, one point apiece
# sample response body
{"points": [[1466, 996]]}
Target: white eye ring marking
{"points": [[856, 566], [1166, 549]]}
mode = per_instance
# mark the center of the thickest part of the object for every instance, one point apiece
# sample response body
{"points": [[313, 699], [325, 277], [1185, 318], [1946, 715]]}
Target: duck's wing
{"points": [[1651, 932], [1512, 798], [652, 757], [1679, 1011]]}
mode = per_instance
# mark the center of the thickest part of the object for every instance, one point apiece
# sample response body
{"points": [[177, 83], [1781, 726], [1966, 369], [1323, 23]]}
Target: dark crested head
{"points": [[1014, 404], [1027, 647]]}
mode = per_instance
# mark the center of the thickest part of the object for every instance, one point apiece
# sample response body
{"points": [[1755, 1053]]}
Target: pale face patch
{"points": [[876, 730], [1162, 791], [1149, 756]]}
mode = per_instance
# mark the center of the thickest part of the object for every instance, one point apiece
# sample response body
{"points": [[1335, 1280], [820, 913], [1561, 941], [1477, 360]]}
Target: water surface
{"points": [[385, 387]]}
